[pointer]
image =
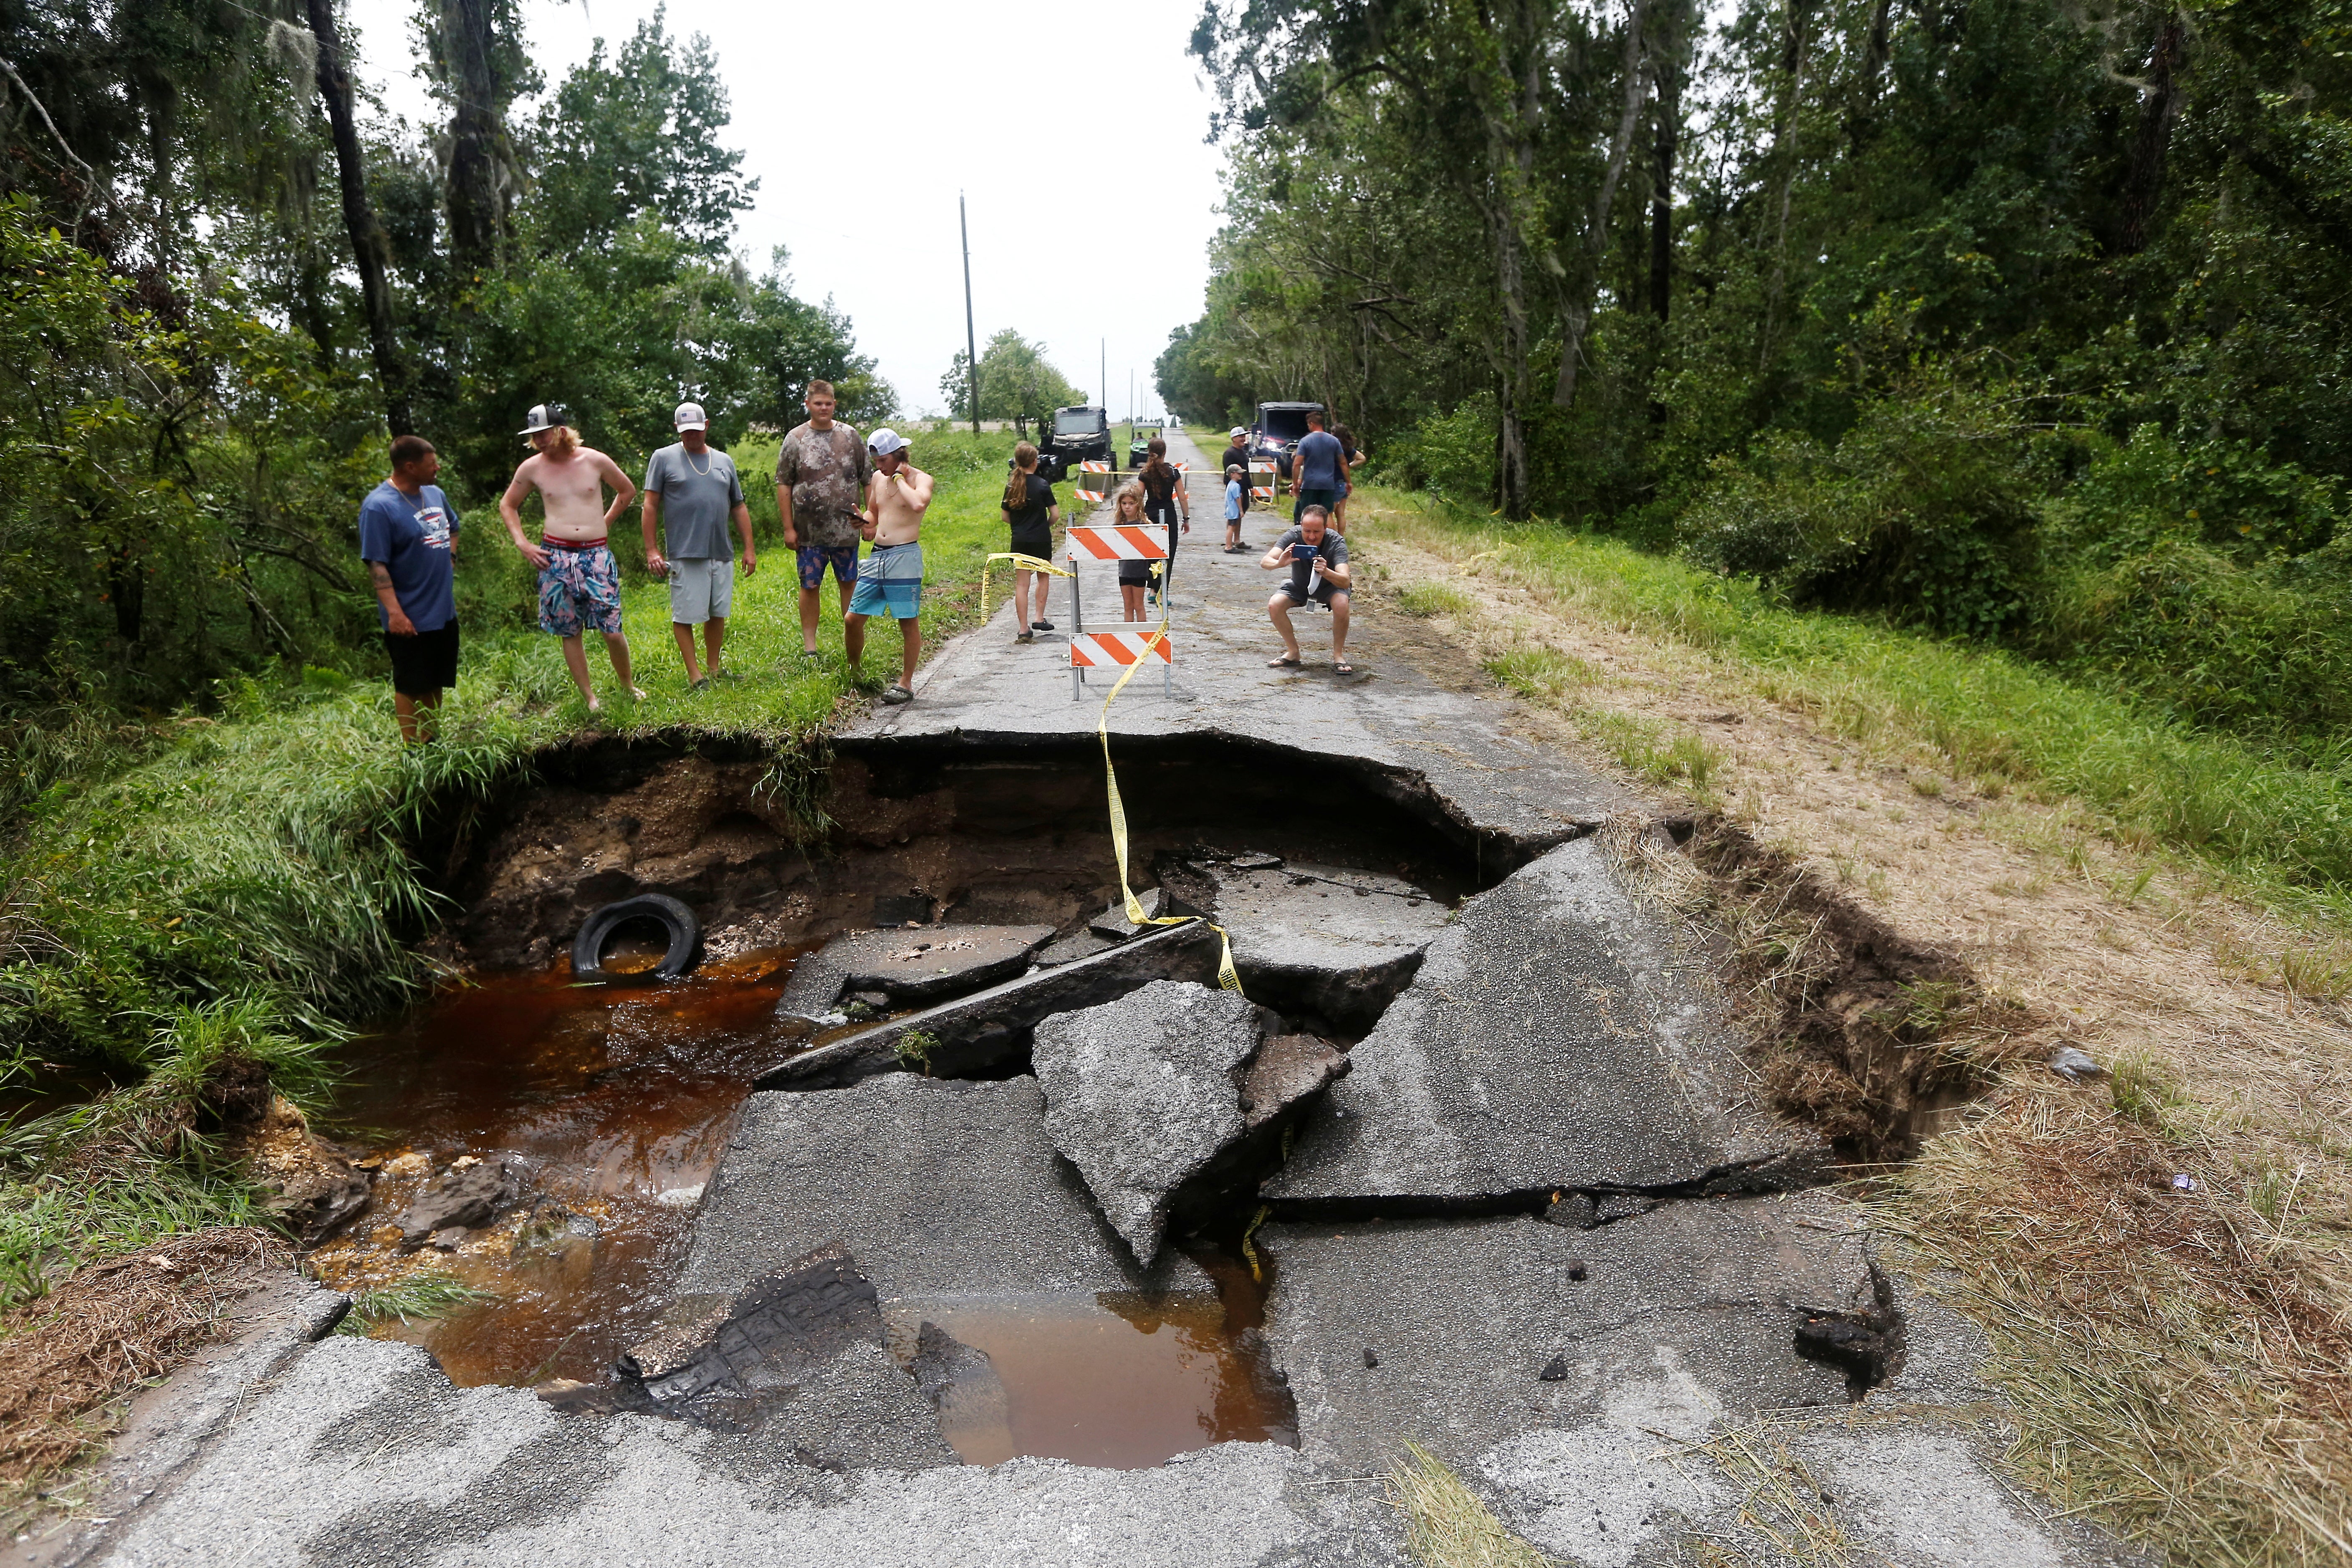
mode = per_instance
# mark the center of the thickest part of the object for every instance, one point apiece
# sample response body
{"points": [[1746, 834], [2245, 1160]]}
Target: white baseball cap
{"points": [[689, 417], [1238, 432], [545, 416], [882, 442]]}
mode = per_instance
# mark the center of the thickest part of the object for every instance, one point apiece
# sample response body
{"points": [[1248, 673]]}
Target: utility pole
{"points": [[1102, 376], [970, 337]]}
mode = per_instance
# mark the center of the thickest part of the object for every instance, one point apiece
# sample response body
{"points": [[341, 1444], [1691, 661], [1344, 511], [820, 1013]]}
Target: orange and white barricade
{"points": [[1093, 481], [1261, 480], [1127, 642]]}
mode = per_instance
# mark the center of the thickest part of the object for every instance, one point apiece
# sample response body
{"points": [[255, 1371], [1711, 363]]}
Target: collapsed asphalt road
{"points": [[1504, 1161]]}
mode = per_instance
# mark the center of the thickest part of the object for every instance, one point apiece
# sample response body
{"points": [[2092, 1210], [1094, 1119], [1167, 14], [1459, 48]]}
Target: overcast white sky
{"points": [[1057, 118]]}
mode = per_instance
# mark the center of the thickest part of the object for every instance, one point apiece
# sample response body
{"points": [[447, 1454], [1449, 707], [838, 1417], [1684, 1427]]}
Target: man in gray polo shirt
{"points": [[691, 492]]}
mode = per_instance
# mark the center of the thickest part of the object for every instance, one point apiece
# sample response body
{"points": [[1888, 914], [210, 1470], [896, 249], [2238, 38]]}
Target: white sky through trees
{"points": [[1075, 129]]}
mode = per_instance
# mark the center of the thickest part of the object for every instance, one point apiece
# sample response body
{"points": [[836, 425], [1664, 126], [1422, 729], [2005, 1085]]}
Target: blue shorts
{"points": [[814, 558], [890, 583]]}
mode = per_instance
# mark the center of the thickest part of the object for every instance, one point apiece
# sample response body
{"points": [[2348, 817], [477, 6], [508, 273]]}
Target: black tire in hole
{"points": [[653, 910]]}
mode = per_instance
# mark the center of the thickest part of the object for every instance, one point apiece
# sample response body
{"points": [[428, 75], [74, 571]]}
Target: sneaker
{"points": [[896, 694]]}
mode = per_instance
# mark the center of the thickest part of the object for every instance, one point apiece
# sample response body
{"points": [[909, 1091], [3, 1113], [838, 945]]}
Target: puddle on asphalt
{"points": [[1117, 1381], [619, 1101]]}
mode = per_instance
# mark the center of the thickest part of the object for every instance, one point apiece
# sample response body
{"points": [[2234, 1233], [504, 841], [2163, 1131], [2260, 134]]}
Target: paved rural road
{"points": [[1616, 1389]]}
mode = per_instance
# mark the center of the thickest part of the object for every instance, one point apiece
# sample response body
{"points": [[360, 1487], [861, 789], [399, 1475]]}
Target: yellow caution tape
{"points": [[1025, 562], [1228, 977]]}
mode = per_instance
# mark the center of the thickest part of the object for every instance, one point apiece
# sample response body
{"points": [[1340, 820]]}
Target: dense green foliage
{"points": [[191, 397], [2013, 320]]}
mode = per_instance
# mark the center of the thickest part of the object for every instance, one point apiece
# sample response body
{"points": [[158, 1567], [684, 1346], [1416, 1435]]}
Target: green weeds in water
{"points": [[433, 1294]]}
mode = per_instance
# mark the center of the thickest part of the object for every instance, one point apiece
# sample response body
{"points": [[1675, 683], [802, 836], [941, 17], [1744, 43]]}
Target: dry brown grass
{"points": [[1446, 1525], [2179, 1367], [67, 1359]]}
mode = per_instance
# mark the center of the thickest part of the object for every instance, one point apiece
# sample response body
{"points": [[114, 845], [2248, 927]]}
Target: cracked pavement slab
{"points": [[1555, 1036]]}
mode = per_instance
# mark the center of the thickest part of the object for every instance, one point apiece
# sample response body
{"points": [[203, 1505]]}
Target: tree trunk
{"points": [[2143, 185], [1576, 306], [1510, 289], [369, 248], [1797, 19], [1662, 185], [476, 214]]}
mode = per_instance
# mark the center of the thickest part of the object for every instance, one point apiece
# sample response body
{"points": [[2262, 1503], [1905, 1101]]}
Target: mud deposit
{"points": [[615, 1101]]}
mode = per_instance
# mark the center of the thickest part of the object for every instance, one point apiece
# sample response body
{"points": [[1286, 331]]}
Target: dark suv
{"points": [[1280, 426], [1078, 436]]}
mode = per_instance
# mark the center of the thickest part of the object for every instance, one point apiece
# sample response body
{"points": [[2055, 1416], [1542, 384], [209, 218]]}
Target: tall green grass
{"points": [[2263, 815]]}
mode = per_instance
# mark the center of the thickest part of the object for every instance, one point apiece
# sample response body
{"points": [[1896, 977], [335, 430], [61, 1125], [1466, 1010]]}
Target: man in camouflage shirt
{"points": [[821, 475]]}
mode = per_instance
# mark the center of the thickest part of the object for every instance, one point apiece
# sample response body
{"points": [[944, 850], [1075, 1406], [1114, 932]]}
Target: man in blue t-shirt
{"points": [[408, 537], [1316, 468]]}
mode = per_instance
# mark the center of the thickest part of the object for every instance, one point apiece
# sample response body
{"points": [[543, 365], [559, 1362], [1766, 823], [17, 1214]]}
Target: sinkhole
{"points": [[584, 1121]]}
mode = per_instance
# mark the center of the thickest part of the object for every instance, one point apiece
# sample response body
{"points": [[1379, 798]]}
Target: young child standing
{"points": [[1134, 576], [1236, 498], [1030, 514]]}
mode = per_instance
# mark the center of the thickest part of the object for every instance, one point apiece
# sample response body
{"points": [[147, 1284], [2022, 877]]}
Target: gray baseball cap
{"points": [[545, 416], [689, 417]]}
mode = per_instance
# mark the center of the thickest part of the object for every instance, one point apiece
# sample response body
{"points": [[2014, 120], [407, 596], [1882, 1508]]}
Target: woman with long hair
{"points": [[1164, 500], [1032, 515], [1133, 575]]}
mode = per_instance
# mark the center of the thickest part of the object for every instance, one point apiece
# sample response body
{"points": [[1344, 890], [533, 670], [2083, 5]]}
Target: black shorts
{"points": [[422, 665], [1040, 544], [1321, 593], [1135, 574]]}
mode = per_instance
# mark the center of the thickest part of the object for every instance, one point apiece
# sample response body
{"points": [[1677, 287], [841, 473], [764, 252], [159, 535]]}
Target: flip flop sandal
{"points": [[898, 694], [1343, 669], [1282, 664]]}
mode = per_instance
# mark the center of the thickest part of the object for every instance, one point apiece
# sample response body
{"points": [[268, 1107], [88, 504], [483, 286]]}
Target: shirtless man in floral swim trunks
{"points": [[890, 583], [579, 585]]}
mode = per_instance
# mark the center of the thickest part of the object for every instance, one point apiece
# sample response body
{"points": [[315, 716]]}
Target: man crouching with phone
{"points": [[890, 580], [1318, 560]]}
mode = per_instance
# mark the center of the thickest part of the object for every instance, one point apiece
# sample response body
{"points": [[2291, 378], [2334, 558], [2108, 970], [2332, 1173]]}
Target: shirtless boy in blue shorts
{"points": [[890, 582]]}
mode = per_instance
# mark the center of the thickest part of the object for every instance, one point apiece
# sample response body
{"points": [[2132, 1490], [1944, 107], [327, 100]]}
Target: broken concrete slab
{"points": [[1072, 948], [938, 1188], [797, 1354], [961, 1382], [975, 1032], [1113, 924], [462, 1197], [1469, 1313], [1320, 939], [1287, 1071], [907, 968], [1140, 1095], [1557, 1036]]}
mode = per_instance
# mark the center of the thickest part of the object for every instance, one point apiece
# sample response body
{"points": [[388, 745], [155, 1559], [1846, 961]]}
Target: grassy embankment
{"points": [[189, 905], [2178, 901]]}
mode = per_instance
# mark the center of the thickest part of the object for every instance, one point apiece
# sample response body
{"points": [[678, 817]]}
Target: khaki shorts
{"points": [[701, 590]]}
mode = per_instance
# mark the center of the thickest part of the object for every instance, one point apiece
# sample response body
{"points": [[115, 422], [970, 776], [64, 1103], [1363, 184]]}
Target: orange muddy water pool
{"points": [[617, 1100]]}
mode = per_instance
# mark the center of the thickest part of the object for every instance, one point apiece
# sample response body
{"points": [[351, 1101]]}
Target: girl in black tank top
{"points": [[1164, 500]]}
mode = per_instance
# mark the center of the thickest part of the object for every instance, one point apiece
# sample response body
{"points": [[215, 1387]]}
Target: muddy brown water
{"points": [[619, 1100]]}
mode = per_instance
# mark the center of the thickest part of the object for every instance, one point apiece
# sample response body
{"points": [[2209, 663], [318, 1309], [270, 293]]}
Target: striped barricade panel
{"points": [[1111, 650], [1094, 481], [1261, 479], [1145, 542]]}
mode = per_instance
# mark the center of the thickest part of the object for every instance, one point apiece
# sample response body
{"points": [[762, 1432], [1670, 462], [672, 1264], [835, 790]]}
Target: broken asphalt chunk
{"points": [[460, 1199], [1140, 1097], [976, 1032], [902, 968]]}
